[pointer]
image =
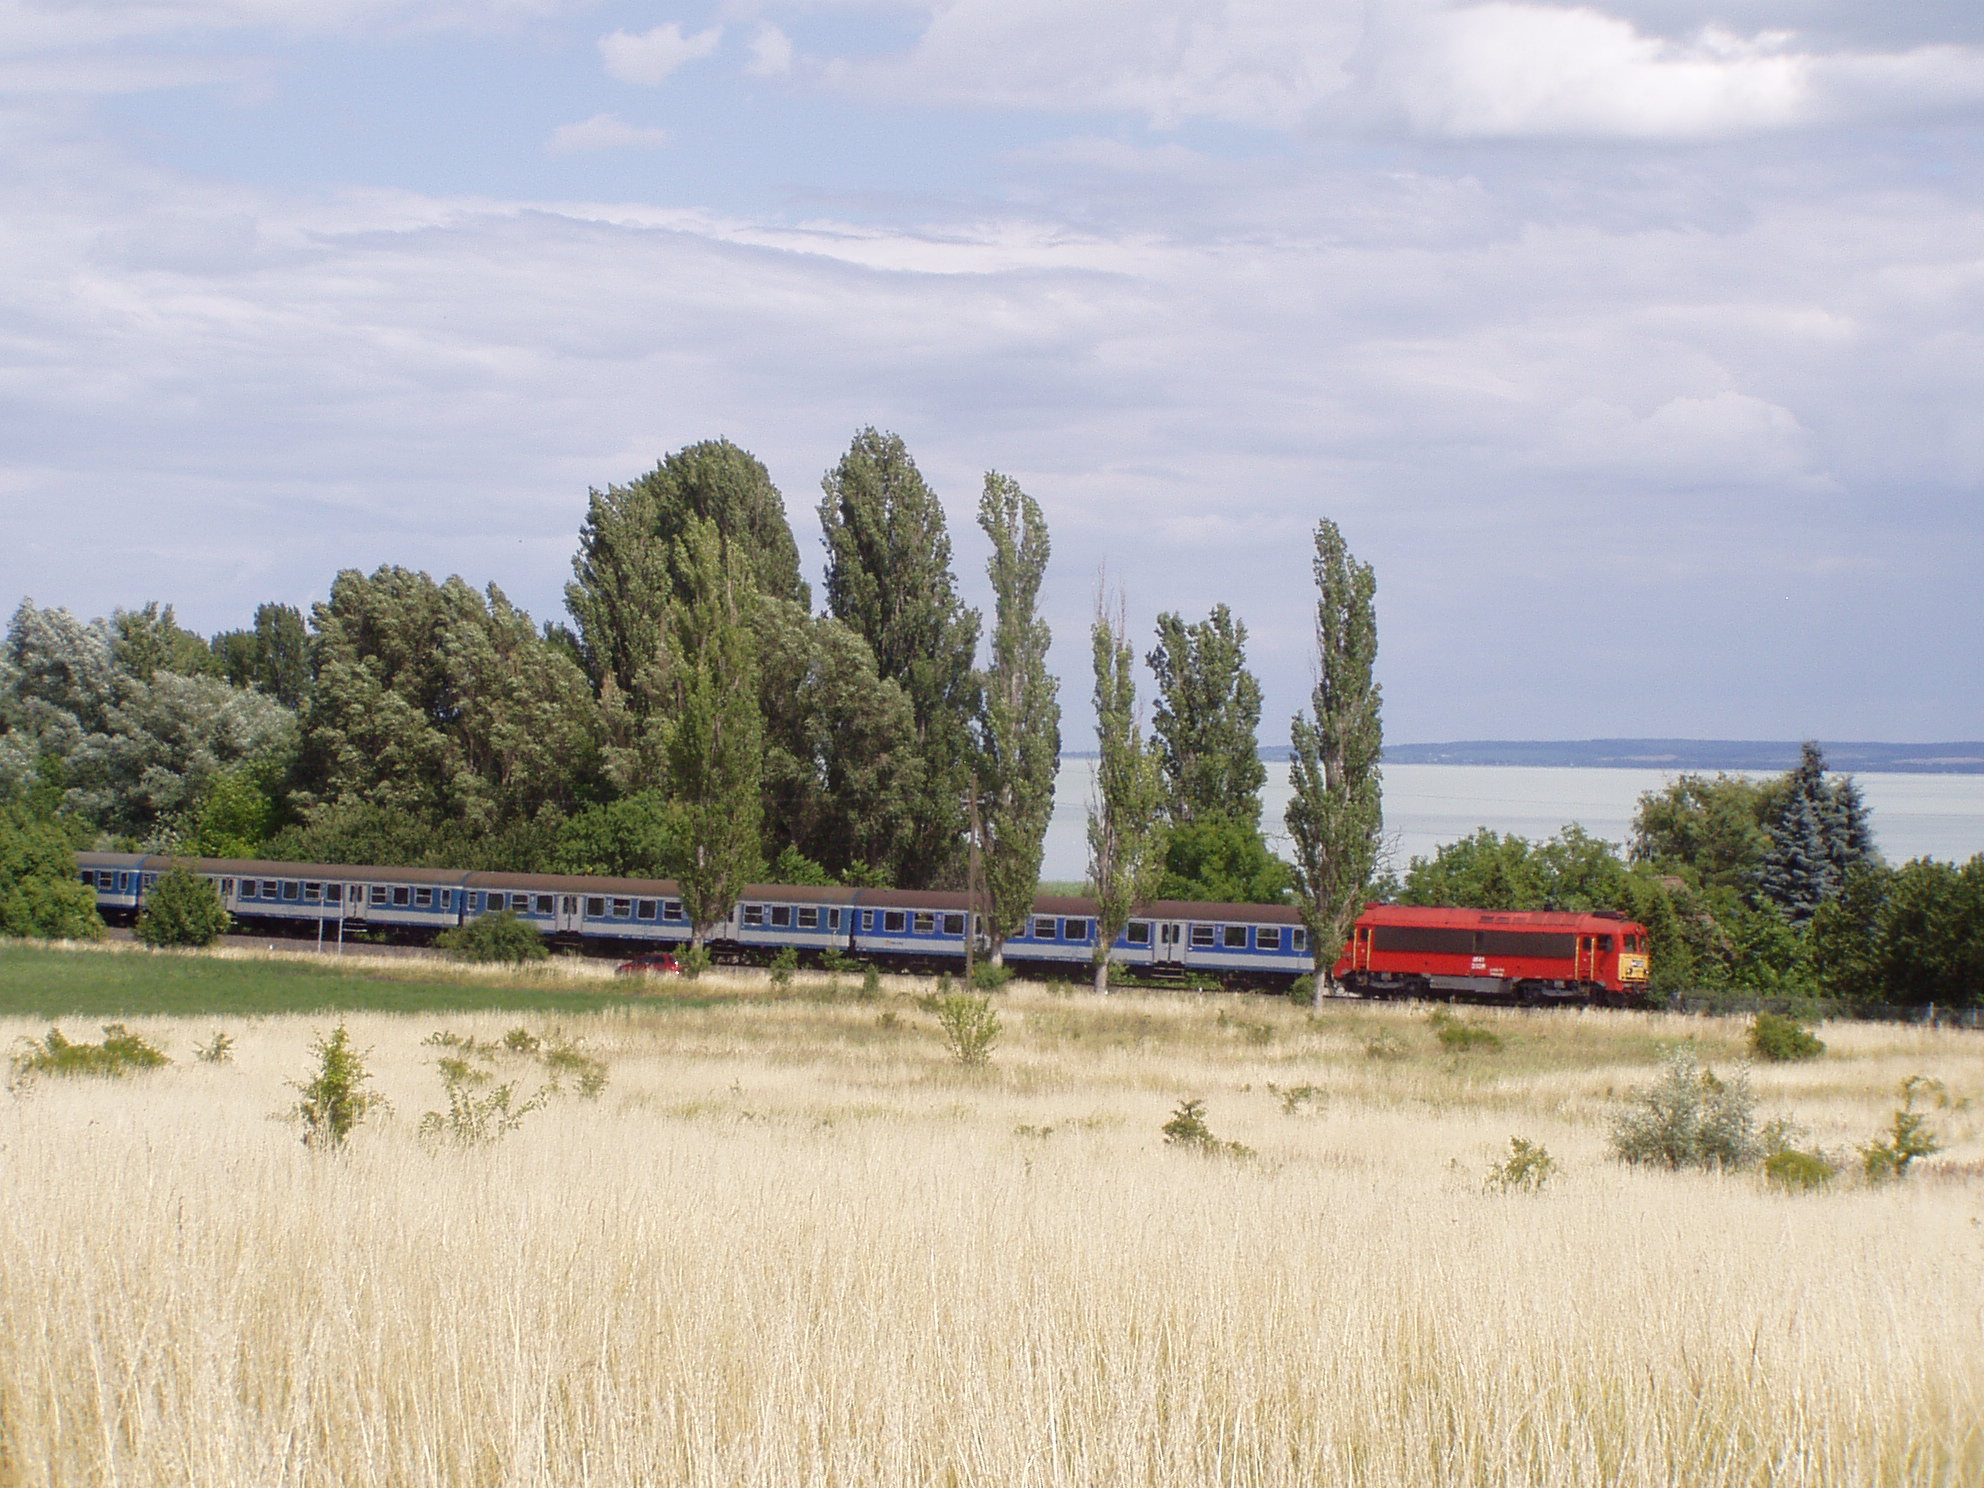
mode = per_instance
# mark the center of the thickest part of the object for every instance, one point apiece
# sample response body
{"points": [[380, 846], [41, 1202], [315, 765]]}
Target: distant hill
{"points": [[1687, 754]]}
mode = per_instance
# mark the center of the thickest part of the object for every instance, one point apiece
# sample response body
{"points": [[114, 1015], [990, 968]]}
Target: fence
{"points": [[1932, 1015]]}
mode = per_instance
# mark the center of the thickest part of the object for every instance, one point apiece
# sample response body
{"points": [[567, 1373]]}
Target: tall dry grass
{"points": [[791, 1245]]}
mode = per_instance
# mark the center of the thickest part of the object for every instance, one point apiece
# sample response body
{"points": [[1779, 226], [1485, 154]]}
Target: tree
{"points": [[273, 657], [149, 640], [1710, 829], [1205, 719], [623, 580], [889, 580], [182, 909], [40, 894], [1912, 935], [1125, 825], [1222, 861], [715, 733], [1022, 728], [1819, 831], [843, 775], [1337, 813]]}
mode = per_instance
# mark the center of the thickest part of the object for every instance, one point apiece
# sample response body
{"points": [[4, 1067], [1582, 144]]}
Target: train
{"points": [[1393, 951]]}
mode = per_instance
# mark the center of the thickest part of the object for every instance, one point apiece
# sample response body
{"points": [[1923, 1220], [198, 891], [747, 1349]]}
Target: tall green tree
{"points": [[1818, 832], [889, 580], [272, 657], [40, 894], [843, 777], [1125, 817], [150, 640], [1206, 718], [1709, 829], [1336, 813], [1022, 730], [623, 576], [715, 733]]}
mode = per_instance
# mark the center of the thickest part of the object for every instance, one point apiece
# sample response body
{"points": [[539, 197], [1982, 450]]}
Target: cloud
{"points": [[771, 52], [1503, 69], [603, 132], [652, 56]]}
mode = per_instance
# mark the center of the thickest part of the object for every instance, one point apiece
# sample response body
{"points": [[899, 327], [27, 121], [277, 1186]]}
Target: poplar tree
{"points": [[1205, 719], [1125, 827], [1336, 814], [1022, 726], [889, 579], [714, 731], [623, 576]]}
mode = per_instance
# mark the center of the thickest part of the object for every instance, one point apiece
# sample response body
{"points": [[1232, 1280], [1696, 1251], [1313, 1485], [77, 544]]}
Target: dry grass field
{"points": [[790, 1244]]}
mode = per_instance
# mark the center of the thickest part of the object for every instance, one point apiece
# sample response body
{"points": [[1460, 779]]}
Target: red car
{"points": [[660, 963]]}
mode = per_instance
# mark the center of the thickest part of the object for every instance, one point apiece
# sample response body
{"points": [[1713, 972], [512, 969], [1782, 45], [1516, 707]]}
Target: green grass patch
{"points": [[104, 984]]}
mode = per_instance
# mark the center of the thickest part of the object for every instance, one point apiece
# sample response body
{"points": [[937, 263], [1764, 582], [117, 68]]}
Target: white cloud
{"points": [[771, 52], [652, 56], [603, 132]]}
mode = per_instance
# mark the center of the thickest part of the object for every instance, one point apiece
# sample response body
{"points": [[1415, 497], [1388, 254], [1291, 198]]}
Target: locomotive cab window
{"points": [[1605, 945]]}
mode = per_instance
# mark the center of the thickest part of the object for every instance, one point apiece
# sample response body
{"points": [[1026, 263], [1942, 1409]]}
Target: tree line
{"points": [[693, 717]]}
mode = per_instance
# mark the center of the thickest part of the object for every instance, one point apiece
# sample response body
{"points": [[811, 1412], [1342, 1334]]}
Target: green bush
{"points": [[1689, 1119], [985, 977], [1187, 1128], [473, 1120], [1797, 1171], [40, 894], [1303, 989], [217, 1050], [1781, 1039], [336, 1099], [1526, 1169], [182, 909], [871, 981], [971, 1027], [784, 964], [695, 960], [499, 937], [1909, 1136], [1459, 1037], [120, 1052]]}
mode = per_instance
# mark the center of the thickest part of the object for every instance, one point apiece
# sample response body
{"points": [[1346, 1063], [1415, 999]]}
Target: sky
{"points": [[1638, 345]]}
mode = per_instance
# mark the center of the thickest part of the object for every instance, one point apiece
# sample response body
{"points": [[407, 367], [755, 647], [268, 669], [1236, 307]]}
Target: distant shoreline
{"points": [[1695, 755]]}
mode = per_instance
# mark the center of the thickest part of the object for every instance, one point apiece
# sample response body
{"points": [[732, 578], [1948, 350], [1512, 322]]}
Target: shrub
{"points": [[39, 892], [784, 964], [971, 1027], [1187, 1128], [1295, 1099], [1303, 989], [871, 981], [120, 1052], [472, 1120], [1526, 1169], [522, 1041], [1384, 1044], [182, 909], [695, 960], [336, 1100], [1781, 1039], [1689, 1119], [1909, 1136], [985, 977], [1459, 1037], [217, 1050], [564, 1059], [499, 937], [1797, 1171], [834, 959]]}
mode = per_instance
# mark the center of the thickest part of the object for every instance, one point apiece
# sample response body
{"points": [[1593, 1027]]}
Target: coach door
{"points": [[569, 921], [357, 901], [1170, 943]]}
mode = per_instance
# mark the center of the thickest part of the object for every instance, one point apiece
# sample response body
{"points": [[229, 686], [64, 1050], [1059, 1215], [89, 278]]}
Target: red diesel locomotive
{"points": [[1398, 950]]}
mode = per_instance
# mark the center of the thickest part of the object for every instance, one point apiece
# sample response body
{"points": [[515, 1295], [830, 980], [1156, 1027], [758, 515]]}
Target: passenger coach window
{"points": [[671, 909], [954, 924], [596, 909], [623, 909], [809, 919], [334, 893], [754, 914], [313, 893], [1298, 940], [1043, 929], [893, 921], [402, 897], [1138, 932], [833, 919], [544, 903], [1074, 929], [1202, 935], [926, 922], [423, 898], [644, 910], [378, 893], [1267, 939], [1236, 937], [781, 916]]}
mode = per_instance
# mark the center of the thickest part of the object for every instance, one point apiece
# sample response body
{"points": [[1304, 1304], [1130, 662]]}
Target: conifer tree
{"points": [[1205, 719], [1125, 825], [1336, 814], [713, 728], [1819, 832], [1022, 727], [889, 579]]}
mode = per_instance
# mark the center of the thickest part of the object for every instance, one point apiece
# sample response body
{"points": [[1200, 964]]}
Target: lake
{"points": [[1935, 816]]}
